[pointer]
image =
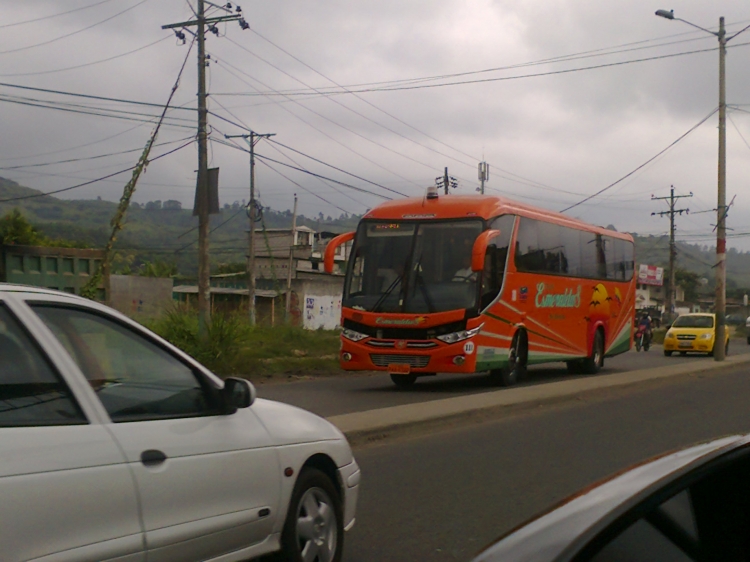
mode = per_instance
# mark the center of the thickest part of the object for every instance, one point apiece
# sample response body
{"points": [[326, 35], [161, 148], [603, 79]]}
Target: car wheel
{"points": [[748, 340], [314, 527], [518, 356], [591, 365], [726, 349], [667, 353], [403, 381]]}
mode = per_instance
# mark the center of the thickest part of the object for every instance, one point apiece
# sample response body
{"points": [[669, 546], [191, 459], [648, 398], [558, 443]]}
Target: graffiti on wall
{"points": [[322, 312]]}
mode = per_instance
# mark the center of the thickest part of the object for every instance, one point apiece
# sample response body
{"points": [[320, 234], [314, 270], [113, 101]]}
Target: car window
{"points": [[134, 378], [31, 392], [694, 322]]}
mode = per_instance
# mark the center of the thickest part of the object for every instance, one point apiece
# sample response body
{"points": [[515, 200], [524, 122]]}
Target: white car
{"points": [[115, 445]]}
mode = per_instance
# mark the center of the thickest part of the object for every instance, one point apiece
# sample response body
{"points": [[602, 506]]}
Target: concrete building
{"points": [[62, 269]]}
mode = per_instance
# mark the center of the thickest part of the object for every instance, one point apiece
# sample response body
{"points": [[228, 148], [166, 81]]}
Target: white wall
{"points": [[321, 311]]}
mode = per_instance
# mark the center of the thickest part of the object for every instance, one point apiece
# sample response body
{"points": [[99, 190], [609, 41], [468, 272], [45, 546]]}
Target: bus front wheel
{"points": [[518, 356], [592, 364]]}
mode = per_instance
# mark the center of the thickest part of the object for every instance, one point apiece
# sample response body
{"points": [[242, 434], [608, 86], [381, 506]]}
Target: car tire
{"points": [[314, 521], [667, 353], [593, 364], [404, 381], [518, 356], [726, 349], [748, 340]]}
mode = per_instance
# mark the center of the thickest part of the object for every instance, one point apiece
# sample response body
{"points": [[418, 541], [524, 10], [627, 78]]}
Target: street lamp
{"points": [[721, 207]]}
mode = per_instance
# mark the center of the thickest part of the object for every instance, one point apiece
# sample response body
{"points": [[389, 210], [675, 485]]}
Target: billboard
{"points": [[650, 275]]}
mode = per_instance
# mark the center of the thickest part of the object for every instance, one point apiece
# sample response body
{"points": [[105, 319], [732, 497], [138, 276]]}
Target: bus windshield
{"points": [[413, 267]]}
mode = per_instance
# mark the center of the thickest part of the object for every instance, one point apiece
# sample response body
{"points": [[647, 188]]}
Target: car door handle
{"points": [[152, 457]]}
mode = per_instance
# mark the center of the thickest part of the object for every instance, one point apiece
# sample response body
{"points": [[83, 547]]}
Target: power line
{"points": [[607, 51], [94, 97], [646, 163], [92, 63], [308, 172], [96, 157], [34, 20], [36, 195], [49, 41], [279, 151], [221, 64]]}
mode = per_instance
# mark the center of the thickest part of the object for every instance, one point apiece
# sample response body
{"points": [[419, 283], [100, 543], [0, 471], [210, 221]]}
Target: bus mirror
{"points": [[480, 248], [331, 249]]}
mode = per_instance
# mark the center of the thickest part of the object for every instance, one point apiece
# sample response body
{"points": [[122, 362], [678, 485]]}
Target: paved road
{"points": [[444, 496], [356, 392]]}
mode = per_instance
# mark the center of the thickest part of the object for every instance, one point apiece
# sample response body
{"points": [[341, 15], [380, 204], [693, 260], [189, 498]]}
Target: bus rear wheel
{"points": [[592, 364], [518, 356], [404, 381]]}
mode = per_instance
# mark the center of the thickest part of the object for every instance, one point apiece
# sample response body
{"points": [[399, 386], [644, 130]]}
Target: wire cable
{"points": [[92, 63], [130, 168], [646, 163], [34, 20], [49, 41]]}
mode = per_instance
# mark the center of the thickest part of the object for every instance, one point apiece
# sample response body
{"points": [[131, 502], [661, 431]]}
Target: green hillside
{"points": [[153, 233]]}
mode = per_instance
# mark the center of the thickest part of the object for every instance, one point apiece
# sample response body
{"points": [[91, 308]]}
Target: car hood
{"points": [[289, 425], [548, 537]]}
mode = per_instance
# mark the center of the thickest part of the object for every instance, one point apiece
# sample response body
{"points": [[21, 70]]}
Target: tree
{"points": [[689, 281], [16, 229], [158, 268]]}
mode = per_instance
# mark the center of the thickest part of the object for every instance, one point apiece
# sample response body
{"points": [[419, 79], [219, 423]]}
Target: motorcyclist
{"points": [[645, 325]]}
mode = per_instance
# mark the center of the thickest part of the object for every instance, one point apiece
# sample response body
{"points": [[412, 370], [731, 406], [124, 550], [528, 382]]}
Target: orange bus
{"points": [[464, 284]]}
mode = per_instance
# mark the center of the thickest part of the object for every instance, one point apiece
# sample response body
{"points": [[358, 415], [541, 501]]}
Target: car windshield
{"points": [[413, 267], [694, 322]]}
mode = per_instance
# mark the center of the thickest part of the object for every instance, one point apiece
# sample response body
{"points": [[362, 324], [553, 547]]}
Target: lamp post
{"points": [[721, 207]]}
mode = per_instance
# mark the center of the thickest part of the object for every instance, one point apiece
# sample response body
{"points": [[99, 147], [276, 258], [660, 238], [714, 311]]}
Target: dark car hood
{"points": [[547, 537]]}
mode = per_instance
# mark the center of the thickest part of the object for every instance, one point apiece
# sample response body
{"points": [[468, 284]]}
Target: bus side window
{"points": [[495, 259]]}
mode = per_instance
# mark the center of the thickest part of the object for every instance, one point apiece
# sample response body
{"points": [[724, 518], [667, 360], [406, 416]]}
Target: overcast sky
{"points": [[551, 139]]}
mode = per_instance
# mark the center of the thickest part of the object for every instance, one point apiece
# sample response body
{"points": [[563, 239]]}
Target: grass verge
{"points": [[233, 347]]}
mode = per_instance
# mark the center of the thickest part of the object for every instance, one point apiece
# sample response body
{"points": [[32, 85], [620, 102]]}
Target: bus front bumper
{"points": [[408, 356]]}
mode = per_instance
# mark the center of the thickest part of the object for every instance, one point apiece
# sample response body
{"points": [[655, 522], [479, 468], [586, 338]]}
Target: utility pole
{"points": [[288, 304], [484, 174], [201, 21], [446, 181], [252, 139], [672, 199], [721, 207]]}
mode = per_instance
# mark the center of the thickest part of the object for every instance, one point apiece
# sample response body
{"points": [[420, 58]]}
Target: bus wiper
{"points": [[396, 282], [423, 287]]}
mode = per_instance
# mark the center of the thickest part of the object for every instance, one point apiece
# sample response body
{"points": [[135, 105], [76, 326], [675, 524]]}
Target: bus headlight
{"points": [[454, 337], [352, 335]]}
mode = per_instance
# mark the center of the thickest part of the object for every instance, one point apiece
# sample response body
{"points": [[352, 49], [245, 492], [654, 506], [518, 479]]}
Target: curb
{"points": [[376, 424]]}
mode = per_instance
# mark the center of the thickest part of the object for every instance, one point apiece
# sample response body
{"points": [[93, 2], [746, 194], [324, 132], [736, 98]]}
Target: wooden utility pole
{"points": [[288, 306], [204, 272], [252, 138], [671, 289], [204, 269]]}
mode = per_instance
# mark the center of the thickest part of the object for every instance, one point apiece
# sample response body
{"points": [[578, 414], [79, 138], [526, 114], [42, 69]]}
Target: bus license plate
{"points": [[399, 369], [686, 344]]}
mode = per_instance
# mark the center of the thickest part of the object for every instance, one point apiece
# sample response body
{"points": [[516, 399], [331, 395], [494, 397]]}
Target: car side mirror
{"points": [[237, 393]]}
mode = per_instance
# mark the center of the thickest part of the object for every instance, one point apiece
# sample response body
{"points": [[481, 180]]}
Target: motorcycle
{"points": [[642, 339]]}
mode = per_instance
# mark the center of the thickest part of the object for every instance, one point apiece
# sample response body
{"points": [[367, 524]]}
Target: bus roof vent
{"points": [[432, 192]]}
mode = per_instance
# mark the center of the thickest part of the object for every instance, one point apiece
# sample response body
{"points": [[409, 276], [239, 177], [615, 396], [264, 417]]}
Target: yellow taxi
{"points": [[693, 333]]}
